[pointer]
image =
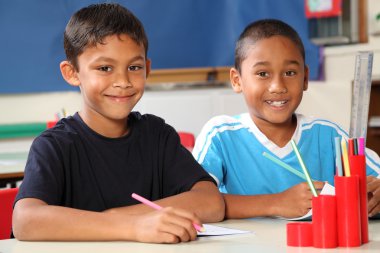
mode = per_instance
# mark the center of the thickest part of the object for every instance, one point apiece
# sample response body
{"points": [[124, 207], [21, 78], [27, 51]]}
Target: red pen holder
{"points": [[348, 211], [324, 221], [299, 234], [358, 167]]}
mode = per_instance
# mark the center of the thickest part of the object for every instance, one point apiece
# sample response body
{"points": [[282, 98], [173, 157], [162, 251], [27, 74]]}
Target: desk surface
{"points": [[269, 235]]}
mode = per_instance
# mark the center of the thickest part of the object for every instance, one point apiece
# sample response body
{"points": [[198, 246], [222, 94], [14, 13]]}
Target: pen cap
{"points": [[299, 234], [348, 211], [324, 222]]}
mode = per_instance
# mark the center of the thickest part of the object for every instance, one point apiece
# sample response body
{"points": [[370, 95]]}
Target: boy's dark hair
{"points": [[90, 25], [264, 29]]}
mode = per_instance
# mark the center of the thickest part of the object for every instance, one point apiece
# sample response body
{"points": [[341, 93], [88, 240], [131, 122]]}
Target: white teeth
{"points": [[276, 103]]}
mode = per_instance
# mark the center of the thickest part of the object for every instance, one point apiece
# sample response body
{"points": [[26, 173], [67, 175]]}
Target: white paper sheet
{"points": [[211, 230]]}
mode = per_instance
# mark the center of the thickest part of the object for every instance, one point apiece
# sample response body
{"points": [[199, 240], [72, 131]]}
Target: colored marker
{"points": [[346, 164], [361, 145], [284, 165], [338, 157], [356, 152], [64, 112], [305, 171], [157, 207], [351, 149]]}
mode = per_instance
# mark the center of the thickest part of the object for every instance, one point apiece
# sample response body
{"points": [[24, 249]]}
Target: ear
{"points": [[235, 80], [306, 78], [148, 64], [69, 73]]}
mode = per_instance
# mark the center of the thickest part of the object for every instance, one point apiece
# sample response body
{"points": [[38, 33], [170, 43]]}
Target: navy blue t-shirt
{"points": [[71, 165]]}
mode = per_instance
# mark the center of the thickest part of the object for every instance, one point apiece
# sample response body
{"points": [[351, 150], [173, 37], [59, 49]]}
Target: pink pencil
{"points": [[157, 207]]}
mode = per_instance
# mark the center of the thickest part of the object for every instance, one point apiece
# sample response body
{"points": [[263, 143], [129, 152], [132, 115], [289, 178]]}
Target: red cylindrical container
{"points": [[299, 234], [324, 222], [348, 211], [358, 167]]}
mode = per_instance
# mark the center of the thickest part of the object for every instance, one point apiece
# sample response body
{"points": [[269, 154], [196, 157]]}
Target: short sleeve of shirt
{"points": [[43, 177], [207, 152], [373, 163]]}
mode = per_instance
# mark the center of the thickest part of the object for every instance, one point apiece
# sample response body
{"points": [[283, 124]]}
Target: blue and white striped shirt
{"points": [[231, 148]]}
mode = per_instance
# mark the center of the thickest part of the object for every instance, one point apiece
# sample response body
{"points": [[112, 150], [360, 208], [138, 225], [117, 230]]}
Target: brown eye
{"points": [[134, 68], [105, 68], [262, 74], [290, 73]]}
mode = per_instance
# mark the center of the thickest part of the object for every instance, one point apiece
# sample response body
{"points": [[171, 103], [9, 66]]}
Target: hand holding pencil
{"points": [[295, 201], [168, 225]]}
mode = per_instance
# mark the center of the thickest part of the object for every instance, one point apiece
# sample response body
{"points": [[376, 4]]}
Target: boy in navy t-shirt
{"points": [[80, 175]]}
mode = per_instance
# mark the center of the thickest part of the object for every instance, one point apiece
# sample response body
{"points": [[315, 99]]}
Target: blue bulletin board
{"points": [[182, 34]]}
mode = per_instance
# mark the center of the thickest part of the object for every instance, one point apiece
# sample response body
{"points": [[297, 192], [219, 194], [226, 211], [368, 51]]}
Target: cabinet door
{"points": [[189, 110], [184, 110], [373, 132]]}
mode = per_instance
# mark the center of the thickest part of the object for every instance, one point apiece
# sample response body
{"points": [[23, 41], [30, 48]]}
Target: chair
{"points": [[187, 140], [7, 196]]}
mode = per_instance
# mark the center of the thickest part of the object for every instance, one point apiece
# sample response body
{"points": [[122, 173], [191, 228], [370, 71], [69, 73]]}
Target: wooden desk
{"points": [[268, 236]]}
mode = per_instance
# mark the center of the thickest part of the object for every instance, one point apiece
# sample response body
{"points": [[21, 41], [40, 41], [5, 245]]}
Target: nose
{"points": [[277, 86], [122, 85], [122, 81]]}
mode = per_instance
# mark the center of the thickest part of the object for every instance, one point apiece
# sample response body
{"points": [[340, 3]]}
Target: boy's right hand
{"points": [[296, 201], [168, 225]]}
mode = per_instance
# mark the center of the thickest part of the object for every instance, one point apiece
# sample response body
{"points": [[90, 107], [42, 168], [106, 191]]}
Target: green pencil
{"points": [[284, 165], [305, 171]]}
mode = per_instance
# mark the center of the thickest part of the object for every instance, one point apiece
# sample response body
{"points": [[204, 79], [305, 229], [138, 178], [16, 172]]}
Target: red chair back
{"points": [[7, 197], [187, 140]]}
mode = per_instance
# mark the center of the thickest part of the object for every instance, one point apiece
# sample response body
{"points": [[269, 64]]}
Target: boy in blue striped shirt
{"points": [[271, 74]]}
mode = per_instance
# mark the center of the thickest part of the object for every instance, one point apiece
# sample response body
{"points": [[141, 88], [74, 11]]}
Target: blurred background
{"points": [[192, 48]]}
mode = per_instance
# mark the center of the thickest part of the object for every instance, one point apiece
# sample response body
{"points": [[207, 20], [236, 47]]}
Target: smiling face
{"points": [[111, 77], [272, 79]]}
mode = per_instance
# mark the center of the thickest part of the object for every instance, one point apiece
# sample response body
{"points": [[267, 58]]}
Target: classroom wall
{"points": [[373, 11], [189, 110], [197, 33], [331, 98], [37, 107]]}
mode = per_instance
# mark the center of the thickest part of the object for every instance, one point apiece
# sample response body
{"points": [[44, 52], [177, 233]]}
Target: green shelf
{"points": [[22, 130]]}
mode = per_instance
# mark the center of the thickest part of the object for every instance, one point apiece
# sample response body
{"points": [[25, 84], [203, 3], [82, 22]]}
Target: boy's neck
{"points": [[279, 134], [105, 127]]}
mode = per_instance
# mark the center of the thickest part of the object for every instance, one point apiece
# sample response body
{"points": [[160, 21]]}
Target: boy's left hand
{"points": [[373, 190]]}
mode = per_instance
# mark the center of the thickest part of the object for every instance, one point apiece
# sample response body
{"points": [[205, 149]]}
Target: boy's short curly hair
{"points": [[264, 29], [90, 25]]}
